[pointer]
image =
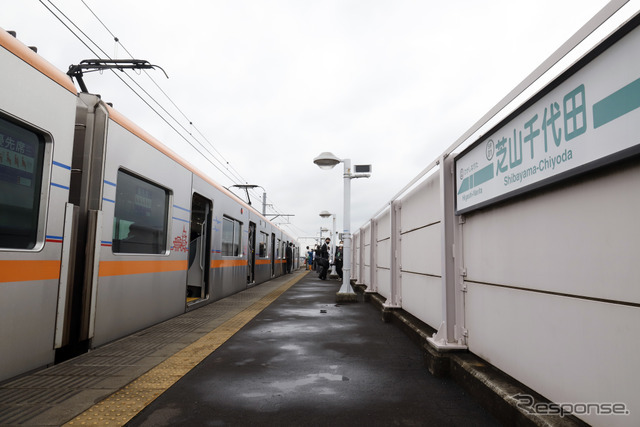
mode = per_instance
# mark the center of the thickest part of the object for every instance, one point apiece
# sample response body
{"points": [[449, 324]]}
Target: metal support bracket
{"points": [[391, 306], [439, 342]]}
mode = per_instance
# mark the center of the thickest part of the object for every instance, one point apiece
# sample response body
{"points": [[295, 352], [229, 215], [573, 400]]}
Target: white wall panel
{"points": [[384, 254], [367, 254], [581, 239], [355, 265], [384, 225], [366, 232], [422, 297], [421, 250], [422, 205], [384, 282], [567, 349], [366, 279]]}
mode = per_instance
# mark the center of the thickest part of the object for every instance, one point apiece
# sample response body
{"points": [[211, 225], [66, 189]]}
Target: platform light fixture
{"points": [[327, 161]]}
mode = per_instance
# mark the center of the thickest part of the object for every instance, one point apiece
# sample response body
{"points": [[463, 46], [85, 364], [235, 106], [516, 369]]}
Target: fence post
{"points": [[373, 258], [395, 300], [445, 339]]}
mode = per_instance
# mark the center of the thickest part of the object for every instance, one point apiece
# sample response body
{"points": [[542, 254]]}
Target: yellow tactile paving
{"points": [[124, 404]]}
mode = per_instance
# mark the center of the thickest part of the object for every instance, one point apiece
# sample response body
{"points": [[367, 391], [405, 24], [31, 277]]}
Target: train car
{"points": [[104, 230], [37, 111]]}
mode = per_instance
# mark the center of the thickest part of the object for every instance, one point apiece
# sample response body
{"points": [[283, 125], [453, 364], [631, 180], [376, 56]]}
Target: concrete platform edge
{"points": [[492, 388]]}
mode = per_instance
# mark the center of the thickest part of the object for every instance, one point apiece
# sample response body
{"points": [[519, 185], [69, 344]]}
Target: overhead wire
{"points": [[131, 88], [235, 175], [226, 162]]}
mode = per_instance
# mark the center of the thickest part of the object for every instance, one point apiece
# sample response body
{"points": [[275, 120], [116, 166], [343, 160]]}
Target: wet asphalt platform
{"points": [[307, 361], [282, 353]]}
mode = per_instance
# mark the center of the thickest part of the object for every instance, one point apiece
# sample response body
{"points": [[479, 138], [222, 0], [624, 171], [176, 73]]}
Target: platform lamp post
{"points": [[328, 161], [325, 214], [322, 230]]}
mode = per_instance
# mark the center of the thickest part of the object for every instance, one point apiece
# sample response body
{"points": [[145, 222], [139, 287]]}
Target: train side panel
{"points": [[36, 130], [230, 260], [205, 252], [262, 251], [141, 281]]}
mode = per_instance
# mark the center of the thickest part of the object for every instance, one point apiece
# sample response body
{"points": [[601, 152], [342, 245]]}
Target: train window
{"points": [[231, 236], [140, 218], [262, 247], [21, 165]]}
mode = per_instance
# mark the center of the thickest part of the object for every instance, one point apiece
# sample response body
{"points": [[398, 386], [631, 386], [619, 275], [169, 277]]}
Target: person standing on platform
{"points": [[316, 253], [323, 261], [309, 259], [289, 257], [338, 261]]}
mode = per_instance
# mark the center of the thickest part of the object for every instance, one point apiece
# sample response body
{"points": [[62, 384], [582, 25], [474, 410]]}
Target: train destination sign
{"points": [[589, 119]]}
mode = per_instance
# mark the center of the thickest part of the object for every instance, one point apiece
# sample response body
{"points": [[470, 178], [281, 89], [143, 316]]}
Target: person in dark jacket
{"points": [[339, 252], [289, 257], [323, 261]]}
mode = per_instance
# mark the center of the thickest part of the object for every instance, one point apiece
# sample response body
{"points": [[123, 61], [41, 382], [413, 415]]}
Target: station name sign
{"points": [[577, 123]]}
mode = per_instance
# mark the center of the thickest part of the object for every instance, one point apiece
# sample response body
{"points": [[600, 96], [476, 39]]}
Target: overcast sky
{"points": [[271, 84]]}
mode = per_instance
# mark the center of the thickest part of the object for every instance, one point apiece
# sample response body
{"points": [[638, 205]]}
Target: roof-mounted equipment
{"points": [[90, 65]]}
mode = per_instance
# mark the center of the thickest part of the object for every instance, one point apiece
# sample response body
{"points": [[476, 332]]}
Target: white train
{"points": [[104, 230]]}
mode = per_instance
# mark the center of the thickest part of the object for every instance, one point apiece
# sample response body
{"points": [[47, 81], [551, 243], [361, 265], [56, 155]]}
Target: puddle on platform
{"points": [[310, 379]]}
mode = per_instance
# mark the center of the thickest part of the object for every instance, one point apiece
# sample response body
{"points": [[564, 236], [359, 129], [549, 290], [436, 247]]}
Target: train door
{"points": [[199, 249], [76, 309], [273, 254], [251, 264]]}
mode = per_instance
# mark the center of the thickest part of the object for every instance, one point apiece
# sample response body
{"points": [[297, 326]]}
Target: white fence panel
{"points": [[420, 248], [552, 277], [568, 349], [421, 251], [422, 206], [383, 262], [579, 240], [383, 268], [365, 258], [384, 225], [355, 257], [422, 297]]}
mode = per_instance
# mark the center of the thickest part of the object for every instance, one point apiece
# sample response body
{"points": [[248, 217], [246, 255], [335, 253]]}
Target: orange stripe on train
{"points": [[122, 268], [24, 271], [217, 263]]}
